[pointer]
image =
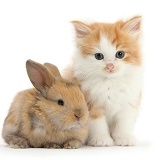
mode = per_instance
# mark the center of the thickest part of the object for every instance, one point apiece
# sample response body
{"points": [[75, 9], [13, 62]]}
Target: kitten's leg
{"points": [[98, 130], [124, 123]]}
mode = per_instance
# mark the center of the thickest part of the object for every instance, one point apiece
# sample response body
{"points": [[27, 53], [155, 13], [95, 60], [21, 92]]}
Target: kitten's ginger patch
{"points": [[89, 37]]}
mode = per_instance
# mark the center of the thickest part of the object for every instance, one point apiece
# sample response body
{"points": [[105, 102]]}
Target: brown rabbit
{"points": [[54, 114]]}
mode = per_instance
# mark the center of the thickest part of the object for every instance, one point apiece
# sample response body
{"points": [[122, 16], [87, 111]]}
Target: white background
{"points": [[41, 31]]}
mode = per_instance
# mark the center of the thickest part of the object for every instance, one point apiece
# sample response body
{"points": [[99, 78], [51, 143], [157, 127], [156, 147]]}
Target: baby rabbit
{"points": [[54, 114]]}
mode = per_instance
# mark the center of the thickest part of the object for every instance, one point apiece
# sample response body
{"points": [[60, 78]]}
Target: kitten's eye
{"points": [[60, 102], [120, 54], [99, 56]]}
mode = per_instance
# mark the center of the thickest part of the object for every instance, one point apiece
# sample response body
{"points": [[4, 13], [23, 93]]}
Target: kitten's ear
{"points": [[133, 25], [81, 29]]}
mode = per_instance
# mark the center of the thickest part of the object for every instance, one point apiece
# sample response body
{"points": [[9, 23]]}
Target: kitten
{"points": [[108, 66]]}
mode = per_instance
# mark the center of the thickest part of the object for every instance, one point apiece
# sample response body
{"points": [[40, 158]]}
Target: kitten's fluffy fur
{"points": [[112, 86]]}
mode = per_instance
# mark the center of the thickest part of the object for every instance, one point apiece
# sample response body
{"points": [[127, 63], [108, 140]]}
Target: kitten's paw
{"points": [[100, 141], [72, 144], [124, 141]]}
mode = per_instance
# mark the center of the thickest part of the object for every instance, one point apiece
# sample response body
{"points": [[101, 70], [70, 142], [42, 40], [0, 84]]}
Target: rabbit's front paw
{"points": [[72, 144], [52, 145], [19, 142]]}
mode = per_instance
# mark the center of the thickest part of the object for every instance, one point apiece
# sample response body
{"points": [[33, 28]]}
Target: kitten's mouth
{"points": [[110, 71]]}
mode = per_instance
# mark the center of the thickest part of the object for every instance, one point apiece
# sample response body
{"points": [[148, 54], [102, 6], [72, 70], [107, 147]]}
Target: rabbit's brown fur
{"points": [[38, 117]]}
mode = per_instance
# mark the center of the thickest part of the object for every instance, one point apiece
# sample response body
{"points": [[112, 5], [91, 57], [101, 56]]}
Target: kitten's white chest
{"points": [[113, 94]]}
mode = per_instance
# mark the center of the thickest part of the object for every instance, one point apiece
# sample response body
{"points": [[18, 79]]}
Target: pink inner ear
{"points": [[41, 78], [133, 25], [136, 26], [37, 76], [81, 30]]}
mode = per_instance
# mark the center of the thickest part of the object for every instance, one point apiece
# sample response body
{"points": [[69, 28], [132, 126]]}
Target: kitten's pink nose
{"points": [[110, 66]]}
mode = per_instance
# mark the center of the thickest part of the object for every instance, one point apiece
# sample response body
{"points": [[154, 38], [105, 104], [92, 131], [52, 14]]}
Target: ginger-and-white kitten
{"points": [[107, 64]]}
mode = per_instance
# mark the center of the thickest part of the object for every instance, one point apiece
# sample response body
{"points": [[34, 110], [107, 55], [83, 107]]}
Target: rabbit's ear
{"points": [[54, 70], [40, 76]]}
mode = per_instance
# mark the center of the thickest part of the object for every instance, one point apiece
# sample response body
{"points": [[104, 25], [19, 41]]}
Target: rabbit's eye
{"points": [[60, 102]]}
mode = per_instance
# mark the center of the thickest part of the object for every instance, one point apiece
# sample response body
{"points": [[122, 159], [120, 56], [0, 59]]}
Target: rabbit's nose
{"points": [[78, 113]]}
